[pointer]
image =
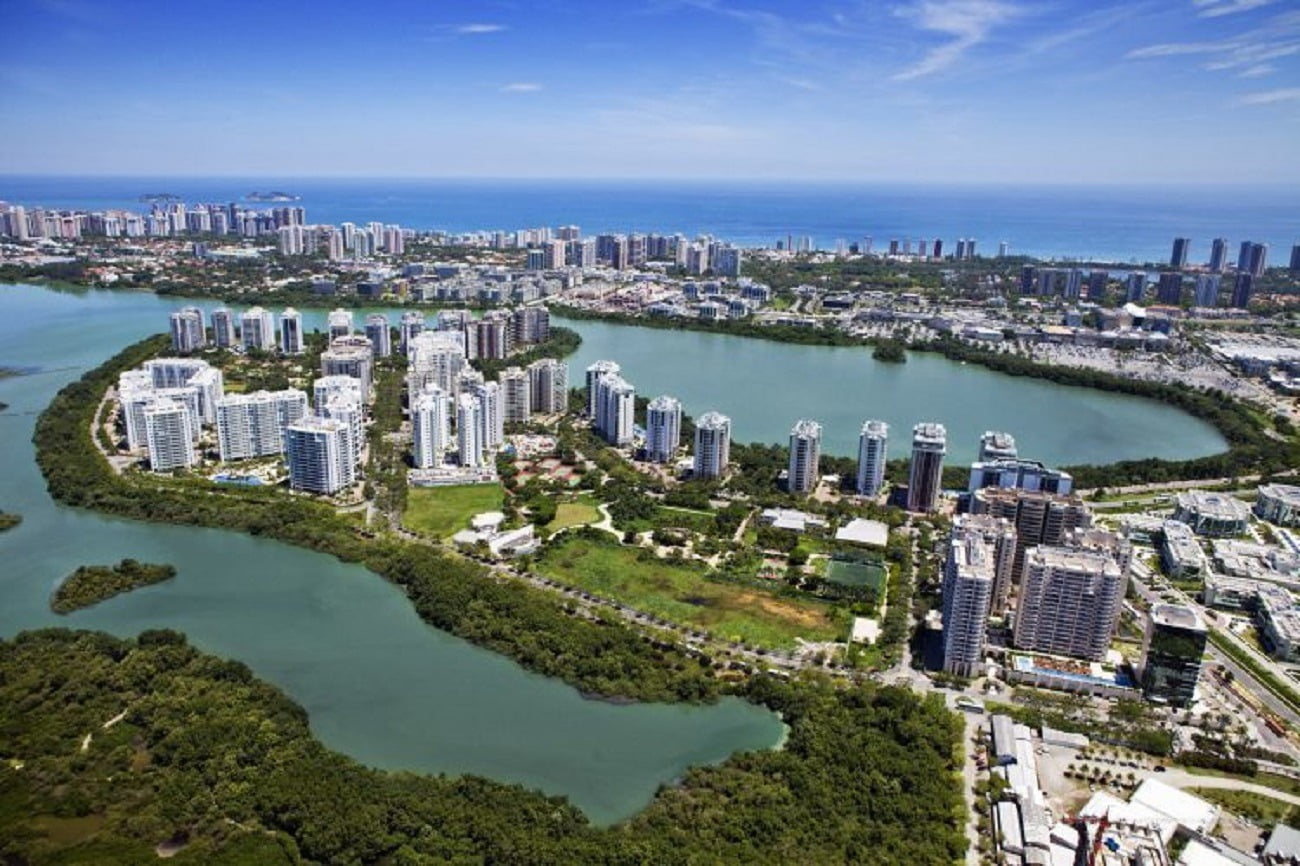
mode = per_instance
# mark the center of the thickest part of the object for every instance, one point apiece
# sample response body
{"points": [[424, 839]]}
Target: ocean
{"points": [[1121, 224]]}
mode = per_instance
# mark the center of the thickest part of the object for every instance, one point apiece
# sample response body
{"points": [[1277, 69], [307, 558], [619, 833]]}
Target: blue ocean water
{"points": [[1122, 224]]}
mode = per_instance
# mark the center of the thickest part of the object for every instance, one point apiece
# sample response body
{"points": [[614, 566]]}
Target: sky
{"points": [[1048, 91]]}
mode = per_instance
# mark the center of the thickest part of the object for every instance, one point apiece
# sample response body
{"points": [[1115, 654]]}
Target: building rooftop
{"points": [[1177, 616], [1218, 506], [1072, 559], [862, 531], [1189, 811], [806, 429], [1289, 493], [1283, 845], [929, 433]]}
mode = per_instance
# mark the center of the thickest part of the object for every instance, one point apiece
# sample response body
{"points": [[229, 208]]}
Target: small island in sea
{"points": [[158, 197], [91, 584], [7, 519], [273, 195]]}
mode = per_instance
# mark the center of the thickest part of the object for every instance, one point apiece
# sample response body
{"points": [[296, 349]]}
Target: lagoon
{"points": [[378, 683]]}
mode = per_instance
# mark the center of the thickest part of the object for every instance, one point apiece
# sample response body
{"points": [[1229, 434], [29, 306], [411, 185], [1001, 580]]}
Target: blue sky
{"points": [[926, 90]]}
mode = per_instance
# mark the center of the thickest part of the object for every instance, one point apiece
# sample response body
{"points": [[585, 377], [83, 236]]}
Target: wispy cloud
{"points": [[1268, 97], [968, 22], [1085, 26], [479, 29], [521, 87], [1218, 8], [1258, 71], [1254, 54], [1176, 49]]}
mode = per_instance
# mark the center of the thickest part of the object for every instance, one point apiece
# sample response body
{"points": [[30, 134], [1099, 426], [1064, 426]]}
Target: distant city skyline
{"points": [[932, 90]]}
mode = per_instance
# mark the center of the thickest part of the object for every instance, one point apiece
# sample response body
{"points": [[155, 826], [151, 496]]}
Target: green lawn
{"points": [[856, 573], [679, 592], [576, 513], [444, 511], [1284, 784], [1265, 811]]}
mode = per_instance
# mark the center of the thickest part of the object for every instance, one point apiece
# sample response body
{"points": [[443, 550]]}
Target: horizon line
{"points": [[656, 179]]}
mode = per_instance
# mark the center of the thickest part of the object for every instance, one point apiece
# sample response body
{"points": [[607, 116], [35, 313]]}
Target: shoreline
{"points": [[1250, 450], [631, 666]]}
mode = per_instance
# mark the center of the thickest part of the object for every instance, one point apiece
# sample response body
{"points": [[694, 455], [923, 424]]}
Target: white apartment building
{"points": [[170, 432], [615, 409], [968, 579], [469, 442], [431, 428], [187, 330], [316, 450], [516, 395], [805, 456], [257, 330], [548, 382], [253, 425], [1069, 602], [663, 429], [873, 446], [712, 445], [291, 338], [491, 415]]}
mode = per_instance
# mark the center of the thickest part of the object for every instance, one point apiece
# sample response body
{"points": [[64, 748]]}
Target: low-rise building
{"points": [[1278, 503], [1180, 553], [1279, 621], [1216, 515], [791, 519]]}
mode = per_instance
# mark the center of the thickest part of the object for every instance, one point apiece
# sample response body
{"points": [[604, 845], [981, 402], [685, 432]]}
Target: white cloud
{"points": [[1217, 8], [1268, 97], [967, 21], [1175, 49], [1251, 55], [1258, 71], [477, 29], [521, 87]]}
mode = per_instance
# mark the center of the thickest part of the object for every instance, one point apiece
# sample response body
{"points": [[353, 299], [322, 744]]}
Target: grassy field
{"points": [[576, 513], [680, 593], [444, 511], [670, 517], [848, 573], [1264, 811], [1284, 784]]}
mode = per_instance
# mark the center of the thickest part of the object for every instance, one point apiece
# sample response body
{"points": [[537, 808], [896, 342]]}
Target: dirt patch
{"points": [[784, 610]]}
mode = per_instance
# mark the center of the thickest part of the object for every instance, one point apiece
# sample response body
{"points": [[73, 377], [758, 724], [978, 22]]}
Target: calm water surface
{"points": [[764, 387]]}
